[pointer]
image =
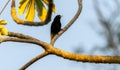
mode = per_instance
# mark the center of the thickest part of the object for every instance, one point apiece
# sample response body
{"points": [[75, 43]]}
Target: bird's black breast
{"points": [[56, 25]]}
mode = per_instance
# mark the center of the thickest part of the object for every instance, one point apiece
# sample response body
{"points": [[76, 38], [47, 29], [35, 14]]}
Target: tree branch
{"points": [[69, 24], [29, 23], [22, 36], [34, 60], [67, 55], [84, 58], [50, 49], [44, 45]]}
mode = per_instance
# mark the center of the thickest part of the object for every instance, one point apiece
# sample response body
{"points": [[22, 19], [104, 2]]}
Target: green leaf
{"points": [[42, 11]]}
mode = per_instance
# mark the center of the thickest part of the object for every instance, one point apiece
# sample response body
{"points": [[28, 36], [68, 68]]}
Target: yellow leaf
{"points": [[1, 26], [28, 7], [42, 17], [47, 2], [54, 9], [4, 31], [3, 22], [22, 6], [22, 1], [30, 13], [0, 35]]}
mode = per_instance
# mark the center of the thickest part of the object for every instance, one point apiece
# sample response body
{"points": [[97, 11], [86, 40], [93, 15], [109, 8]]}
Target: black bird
{"points": [[55, 26]]}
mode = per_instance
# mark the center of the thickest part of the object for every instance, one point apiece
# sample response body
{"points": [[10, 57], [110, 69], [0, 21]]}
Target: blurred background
{"points": [[95, 32]]}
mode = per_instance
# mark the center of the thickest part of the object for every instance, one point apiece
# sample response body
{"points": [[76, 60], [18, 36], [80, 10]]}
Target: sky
{"points": [[80, 34]]}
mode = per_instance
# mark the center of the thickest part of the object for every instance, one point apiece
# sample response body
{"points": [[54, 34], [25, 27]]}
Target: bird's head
{"points": [[58, 17]]}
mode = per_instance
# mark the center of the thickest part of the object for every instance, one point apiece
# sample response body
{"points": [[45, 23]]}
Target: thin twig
{"points": [[69, 24], [4, 7], [34, 60]]}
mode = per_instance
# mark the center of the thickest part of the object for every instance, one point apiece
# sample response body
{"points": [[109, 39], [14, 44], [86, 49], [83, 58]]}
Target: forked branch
{"points": [[51, 50]]}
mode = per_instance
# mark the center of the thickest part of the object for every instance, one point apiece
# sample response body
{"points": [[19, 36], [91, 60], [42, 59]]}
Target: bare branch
{"points": [[44, 45], [18, 35], [29, 23], [85, 58], [49, 49], [67, 55], [69, 24], [34, 60]]}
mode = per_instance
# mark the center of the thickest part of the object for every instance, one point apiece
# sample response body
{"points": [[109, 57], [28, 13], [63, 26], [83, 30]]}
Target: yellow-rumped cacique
{"points": [[55, 26]]}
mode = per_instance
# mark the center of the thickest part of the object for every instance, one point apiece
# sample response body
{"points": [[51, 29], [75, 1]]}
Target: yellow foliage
{"points": [[30, 13], [43, 14], [3, 22], [29, 6], [22, 7], [3, 30], [42, 11]]}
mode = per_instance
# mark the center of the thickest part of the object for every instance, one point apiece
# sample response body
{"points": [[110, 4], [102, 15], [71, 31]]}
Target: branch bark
{"points": [[19, 35], [44, 45], [85, 58], [67, 55], [51, 50]]}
